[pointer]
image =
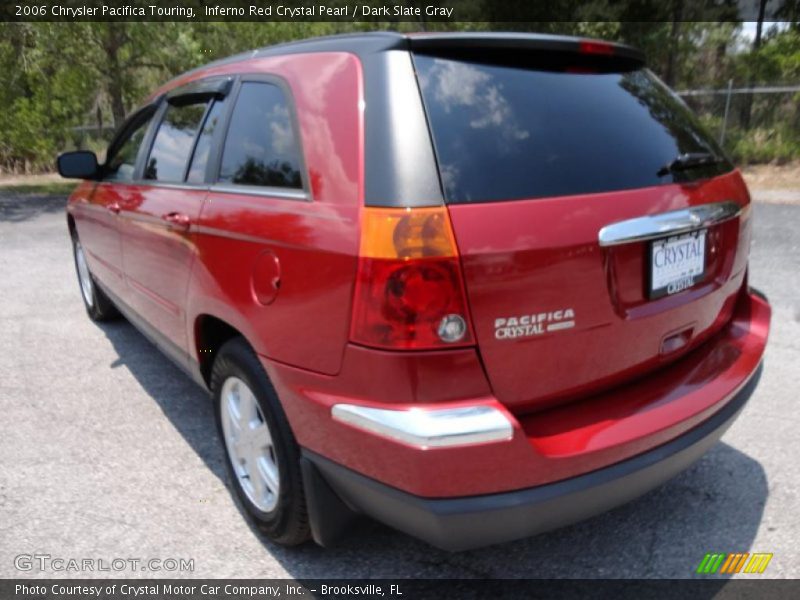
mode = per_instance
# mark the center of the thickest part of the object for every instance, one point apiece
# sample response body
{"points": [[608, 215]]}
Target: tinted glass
{"points": [[197, 170], [173, 142], [504, 133], [122, 162], [261, 148]]}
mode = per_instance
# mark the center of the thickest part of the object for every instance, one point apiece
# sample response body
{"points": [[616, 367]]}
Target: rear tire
{"points": [[263, 455], [98, 306]]}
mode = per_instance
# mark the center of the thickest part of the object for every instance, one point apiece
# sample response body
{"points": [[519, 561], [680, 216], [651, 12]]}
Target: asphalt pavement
{"points": [[108, 451]]}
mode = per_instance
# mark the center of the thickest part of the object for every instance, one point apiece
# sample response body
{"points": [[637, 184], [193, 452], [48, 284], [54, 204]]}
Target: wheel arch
{"points": [[210, 333]]}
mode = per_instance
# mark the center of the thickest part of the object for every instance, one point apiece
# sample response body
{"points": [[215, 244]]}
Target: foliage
{"points": [[764, 144], [56, 188], [59, 76], [776, 143]]}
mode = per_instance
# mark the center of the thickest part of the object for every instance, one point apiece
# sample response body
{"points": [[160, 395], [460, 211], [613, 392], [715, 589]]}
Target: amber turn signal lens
{"points": [[407, 233]]}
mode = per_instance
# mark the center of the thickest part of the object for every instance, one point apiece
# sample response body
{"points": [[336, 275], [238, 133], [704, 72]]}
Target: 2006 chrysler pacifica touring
{"points": [[473, 286]]}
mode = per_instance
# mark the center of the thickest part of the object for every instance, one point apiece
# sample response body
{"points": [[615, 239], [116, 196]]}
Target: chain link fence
{"points": [[753, 124]]}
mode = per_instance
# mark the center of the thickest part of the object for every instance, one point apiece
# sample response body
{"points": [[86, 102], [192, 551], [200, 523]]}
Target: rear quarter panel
{"points": [[315, 242]]}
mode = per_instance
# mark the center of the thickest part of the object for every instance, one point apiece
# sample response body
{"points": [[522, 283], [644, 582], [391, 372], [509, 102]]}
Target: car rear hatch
{"points": [[601, 231]]}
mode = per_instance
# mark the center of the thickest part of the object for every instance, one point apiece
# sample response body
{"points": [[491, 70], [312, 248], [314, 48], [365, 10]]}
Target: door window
{"points": [[261, 147], [174, 141], [197, 170], [121, 161]]}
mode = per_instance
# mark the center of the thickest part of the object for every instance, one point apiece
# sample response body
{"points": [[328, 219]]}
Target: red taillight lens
{"points": [[409, 292], [405, 304]]}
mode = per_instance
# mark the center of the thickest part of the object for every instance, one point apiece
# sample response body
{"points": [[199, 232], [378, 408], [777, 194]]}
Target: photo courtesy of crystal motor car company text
{"points": [[391, 294]]}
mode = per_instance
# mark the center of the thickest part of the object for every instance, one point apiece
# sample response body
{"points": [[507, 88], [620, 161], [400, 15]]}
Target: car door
{"points": [[158, 231], [98, 221]]}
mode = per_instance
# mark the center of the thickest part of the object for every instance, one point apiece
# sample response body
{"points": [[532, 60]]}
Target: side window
{"points": [[121, 161], [261, 148], [197, 169], [173, 142]]}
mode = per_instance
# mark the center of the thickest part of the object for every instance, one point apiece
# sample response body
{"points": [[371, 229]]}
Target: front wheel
{"points": [[263, 456], [98, 306]]}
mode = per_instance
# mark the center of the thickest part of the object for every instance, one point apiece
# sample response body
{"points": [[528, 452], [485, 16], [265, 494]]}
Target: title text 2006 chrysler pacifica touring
{"points": [[472, 286]]}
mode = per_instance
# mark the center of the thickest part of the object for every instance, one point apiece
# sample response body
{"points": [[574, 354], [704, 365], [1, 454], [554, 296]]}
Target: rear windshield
{"points": [[504, 133]]}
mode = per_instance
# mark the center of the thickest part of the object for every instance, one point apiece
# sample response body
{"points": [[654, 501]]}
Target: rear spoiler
{"points": [[521, 46]]}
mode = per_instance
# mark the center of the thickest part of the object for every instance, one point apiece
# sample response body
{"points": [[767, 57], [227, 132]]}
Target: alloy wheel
{"points": [[84, 276], [249, 443]]}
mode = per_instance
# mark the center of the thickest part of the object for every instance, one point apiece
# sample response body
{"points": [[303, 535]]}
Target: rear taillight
{"points": [[409, 292]]}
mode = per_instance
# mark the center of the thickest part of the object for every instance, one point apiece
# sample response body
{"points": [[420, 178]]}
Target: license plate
{"points": [[677, 263]]}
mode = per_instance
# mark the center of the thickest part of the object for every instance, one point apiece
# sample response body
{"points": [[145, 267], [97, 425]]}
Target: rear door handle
{"points": [[177, 220]]}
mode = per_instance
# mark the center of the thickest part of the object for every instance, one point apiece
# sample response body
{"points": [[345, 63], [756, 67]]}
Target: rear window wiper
{"points": [[689, 160]]}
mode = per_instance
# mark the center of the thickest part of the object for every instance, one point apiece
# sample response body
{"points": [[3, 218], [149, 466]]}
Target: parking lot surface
{"points": [[108, 451]]}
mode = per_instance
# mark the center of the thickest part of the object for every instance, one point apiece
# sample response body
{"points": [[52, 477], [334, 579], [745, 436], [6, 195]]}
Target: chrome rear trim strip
{"points": [[429, 428], [674, 222]]}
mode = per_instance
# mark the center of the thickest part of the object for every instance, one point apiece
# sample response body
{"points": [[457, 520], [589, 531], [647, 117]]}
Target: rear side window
{"points": [[261, 147], [173, 143], [504, 133]]}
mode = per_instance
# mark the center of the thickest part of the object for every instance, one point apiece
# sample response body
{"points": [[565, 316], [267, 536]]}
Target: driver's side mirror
{"points": [[80, 164]]}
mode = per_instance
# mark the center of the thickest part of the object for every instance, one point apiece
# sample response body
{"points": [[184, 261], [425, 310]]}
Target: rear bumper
{"points": [[545, 447], [469, 522]]}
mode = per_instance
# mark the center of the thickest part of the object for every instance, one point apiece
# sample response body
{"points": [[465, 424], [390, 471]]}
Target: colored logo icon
{"points": [[735, 562]]}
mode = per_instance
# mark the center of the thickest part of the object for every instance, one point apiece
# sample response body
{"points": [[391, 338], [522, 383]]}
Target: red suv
{"points": [[474, 286]]}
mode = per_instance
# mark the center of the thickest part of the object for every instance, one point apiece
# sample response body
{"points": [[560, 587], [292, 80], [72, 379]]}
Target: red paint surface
{"points": [[536, 256]]}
